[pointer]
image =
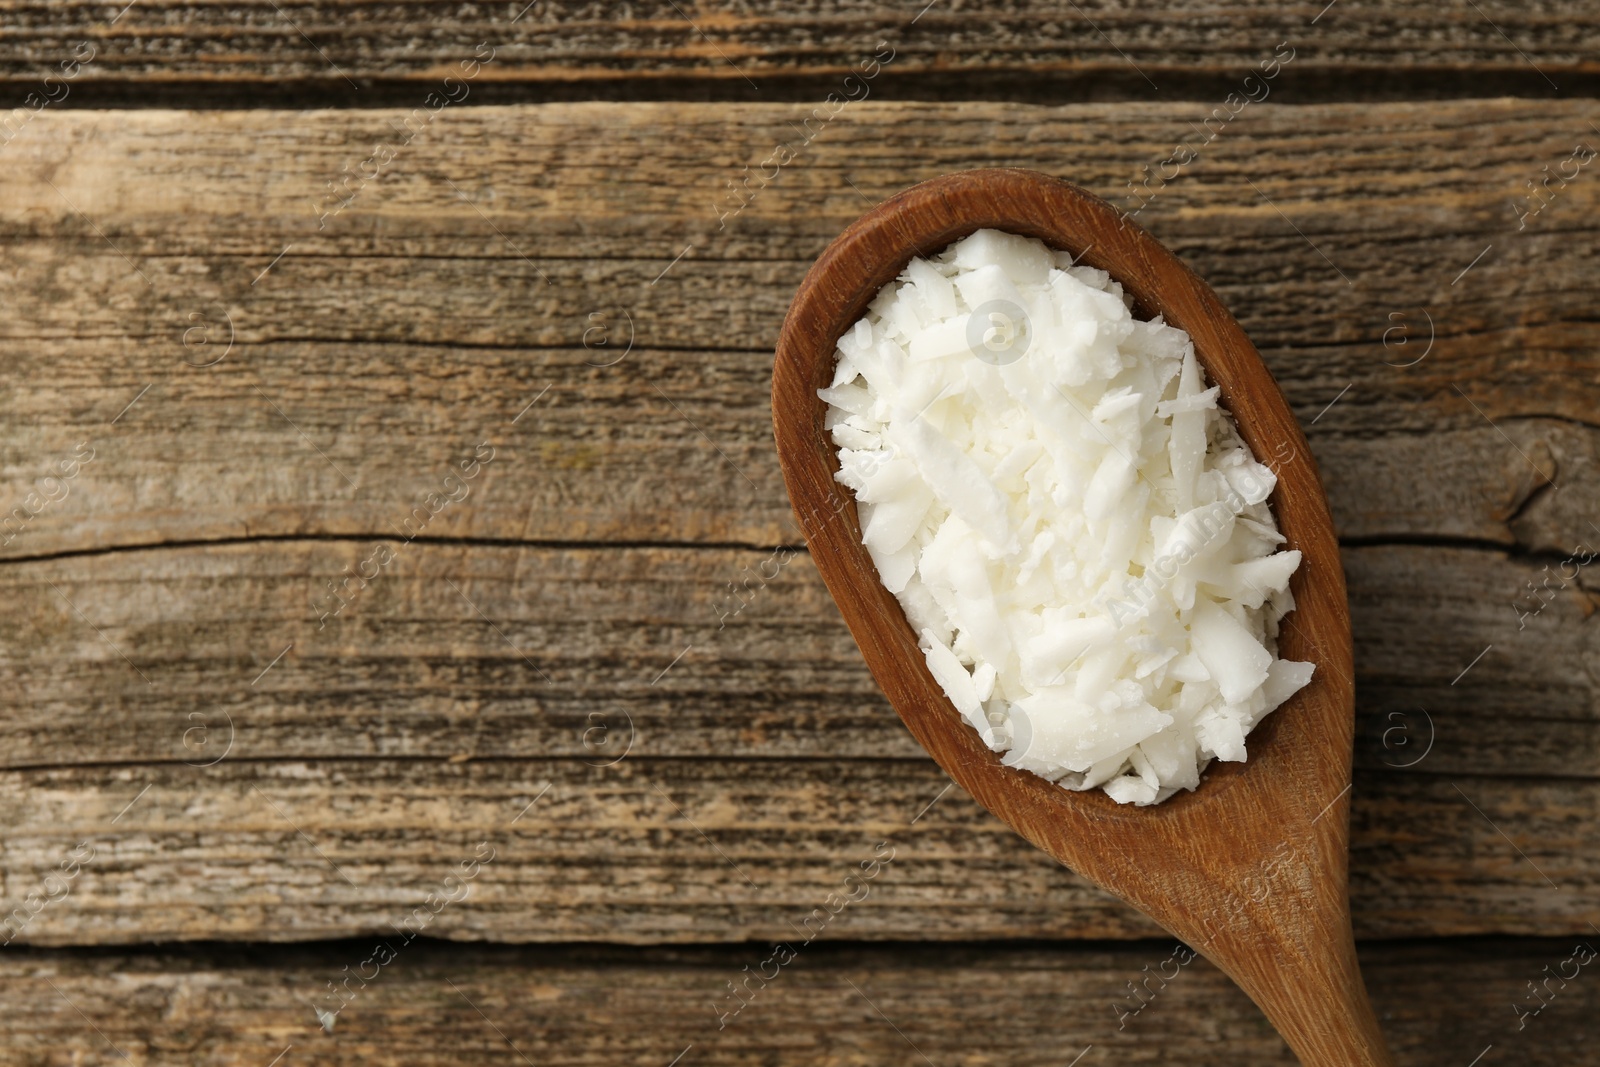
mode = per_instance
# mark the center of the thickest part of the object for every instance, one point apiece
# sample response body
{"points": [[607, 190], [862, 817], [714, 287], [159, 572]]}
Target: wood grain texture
{"points": [[411, 327], [421, 319], [342, 44], [698, 850], [834, 1006], [411, 670], [411, 677]]}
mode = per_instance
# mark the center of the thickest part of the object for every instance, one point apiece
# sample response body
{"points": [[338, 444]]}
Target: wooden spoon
{"points": [[1250, 868]]}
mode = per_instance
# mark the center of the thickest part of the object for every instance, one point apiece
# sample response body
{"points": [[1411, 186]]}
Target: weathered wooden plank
{"points": [[833, 1005], [507, 652], [695, 850], [570, 643], [340, 44], [416, 324], [1453, 648], [604, 456], [608, 194]]}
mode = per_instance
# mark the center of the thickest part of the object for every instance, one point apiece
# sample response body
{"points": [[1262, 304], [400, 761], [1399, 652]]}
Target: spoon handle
{"points": [[1313, 993]]}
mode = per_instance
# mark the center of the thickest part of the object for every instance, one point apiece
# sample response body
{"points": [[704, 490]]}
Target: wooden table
{"points": [[395, 553]]}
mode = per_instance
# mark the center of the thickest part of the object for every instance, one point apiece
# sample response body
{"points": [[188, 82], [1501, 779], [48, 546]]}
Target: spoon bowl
{"points": [[1250, 867]]}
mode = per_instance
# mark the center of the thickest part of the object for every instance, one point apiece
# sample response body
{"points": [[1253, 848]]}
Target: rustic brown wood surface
{"points": [[411, 326], [749, 47], [575, 603], [832, 1006], [617, 509]]}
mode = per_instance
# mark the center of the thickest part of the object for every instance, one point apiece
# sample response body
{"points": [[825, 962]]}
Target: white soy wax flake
{"points": [[1072, 524]]}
